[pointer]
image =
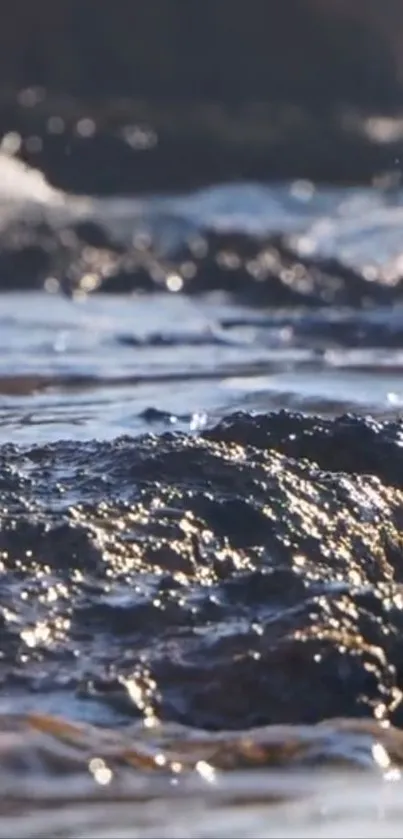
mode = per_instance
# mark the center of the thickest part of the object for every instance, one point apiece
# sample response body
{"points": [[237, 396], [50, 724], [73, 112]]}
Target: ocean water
{"points": [[201, 514]]}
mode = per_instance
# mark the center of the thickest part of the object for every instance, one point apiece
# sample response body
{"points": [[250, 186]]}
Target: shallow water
{"points": [[196, 576], [106, 366], [94, 366]]}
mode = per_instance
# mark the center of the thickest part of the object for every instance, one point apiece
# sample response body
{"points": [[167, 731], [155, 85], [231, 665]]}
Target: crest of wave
{"points": [[25, 192]]}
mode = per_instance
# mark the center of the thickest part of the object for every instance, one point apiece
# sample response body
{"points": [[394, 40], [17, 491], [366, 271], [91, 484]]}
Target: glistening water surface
{"points": [[201, 511], [98, 366], [108, 365]]}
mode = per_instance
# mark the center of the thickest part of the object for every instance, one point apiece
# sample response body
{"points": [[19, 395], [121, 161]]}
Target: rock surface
{"points": [[247, 576]]}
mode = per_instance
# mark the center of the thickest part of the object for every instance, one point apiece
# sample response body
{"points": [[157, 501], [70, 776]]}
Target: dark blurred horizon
{"points": [[156, 95], [311, 52]]}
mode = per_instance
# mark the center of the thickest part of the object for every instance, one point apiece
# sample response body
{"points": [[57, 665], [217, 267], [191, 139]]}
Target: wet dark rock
{"points": [[83, 258], [270, 271], [25, 256], [248, 575]]}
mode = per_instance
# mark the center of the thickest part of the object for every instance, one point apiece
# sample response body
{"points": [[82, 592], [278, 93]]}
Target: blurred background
{"points": [[111, 97]]}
